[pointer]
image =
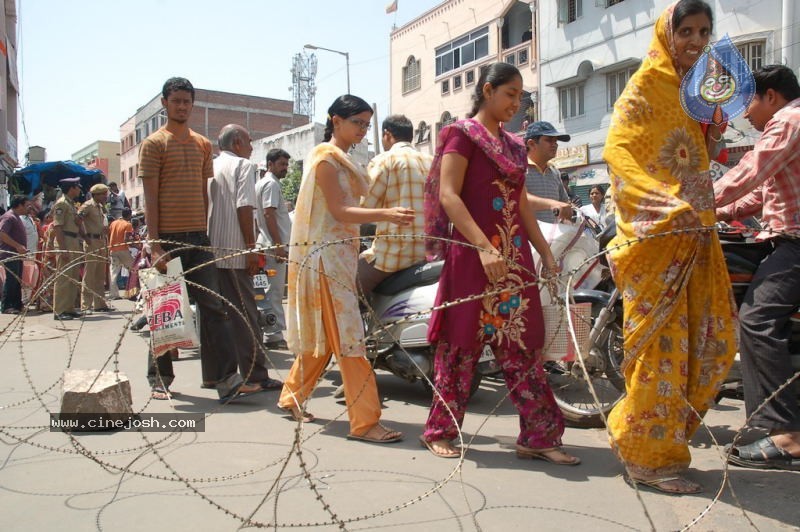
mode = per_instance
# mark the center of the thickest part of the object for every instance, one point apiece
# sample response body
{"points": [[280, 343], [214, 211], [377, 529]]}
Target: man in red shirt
{"points": [[120, 232], [767, 181]]}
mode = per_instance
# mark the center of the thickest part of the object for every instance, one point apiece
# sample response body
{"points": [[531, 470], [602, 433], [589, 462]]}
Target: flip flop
{"points": [[271, 384], [428, 445], [526, 453], [297, 415], [762, 454], [162, 394], [236, 393], [657, 484], [388, 436]]}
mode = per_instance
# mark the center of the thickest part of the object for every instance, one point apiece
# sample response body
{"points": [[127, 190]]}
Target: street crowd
{"points": [[479, 199]]}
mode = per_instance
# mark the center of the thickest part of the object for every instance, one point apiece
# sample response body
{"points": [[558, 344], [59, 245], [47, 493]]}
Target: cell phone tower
{"points": [[304, 88]]}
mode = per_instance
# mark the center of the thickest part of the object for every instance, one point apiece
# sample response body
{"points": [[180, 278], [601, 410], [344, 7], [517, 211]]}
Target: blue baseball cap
{"points": [[545, 129]]}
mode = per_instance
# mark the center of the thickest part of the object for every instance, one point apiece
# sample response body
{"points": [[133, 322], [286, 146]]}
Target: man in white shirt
{"points": [[275, 228], [231, 194]]}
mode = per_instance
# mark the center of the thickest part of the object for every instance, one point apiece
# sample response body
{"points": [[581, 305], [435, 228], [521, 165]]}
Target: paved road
{"points": [[243, 466]]}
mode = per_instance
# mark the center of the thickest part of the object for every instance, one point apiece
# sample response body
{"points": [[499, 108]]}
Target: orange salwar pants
{"points": [[360, 388]]}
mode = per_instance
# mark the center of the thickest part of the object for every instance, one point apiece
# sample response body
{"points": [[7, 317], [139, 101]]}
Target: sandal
{"points": [[662, 485], [762, 454], [445, 451], [386, 435], [268, 384], [238, 392], [554, 455], [162, 394], [296, 414]]}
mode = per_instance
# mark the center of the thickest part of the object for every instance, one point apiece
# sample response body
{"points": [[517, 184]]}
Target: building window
{"points": [[510, 59], [610, 3], [522, 57], [411, 75], [570, 100], [753, 53], [456, 82], [469, 77], [423, 133], [569, 11], [162, 118], [446, 86], [445, 120], [462, 51], [154, 124], [138, 136], [615, 84]]}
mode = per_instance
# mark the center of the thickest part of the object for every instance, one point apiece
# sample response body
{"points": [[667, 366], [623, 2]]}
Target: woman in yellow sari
{"points": [[679, 315]]}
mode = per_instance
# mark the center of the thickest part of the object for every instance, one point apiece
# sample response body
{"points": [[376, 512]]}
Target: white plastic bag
{"points": [[571, 251], [166, 305]]}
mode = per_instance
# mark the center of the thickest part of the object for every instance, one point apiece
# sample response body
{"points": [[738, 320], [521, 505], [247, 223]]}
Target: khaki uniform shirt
{"points": [[66, 216], [94, 219]]}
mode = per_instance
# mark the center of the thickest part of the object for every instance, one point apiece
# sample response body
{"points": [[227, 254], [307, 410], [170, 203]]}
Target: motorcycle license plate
{"points": [[261, 281], [486, 355]]}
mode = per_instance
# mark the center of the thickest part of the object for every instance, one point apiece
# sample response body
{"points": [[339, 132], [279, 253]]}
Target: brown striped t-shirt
{"points": [[182, 168]]}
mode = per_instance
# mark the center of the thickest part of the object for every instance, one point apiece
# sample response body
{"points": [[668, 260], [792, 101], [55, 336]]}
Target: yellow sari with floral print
{"points": [[679, 316]]}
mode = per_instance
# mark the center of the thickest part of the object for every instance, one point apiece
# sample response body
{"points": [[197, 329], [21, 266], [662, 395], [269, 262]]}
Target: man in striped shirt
{"points": [[767, 181], [174, 166], [546, 193], [232, 197], [397, 180]]}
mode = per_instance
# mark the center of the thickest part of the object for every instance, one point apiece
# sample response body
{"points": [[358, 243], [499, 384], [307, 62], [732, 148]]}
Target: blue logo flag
{"points": [[719, 86]]}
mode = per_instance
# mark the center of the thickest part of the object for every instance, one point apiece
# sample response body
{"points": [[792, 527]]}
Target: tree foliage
{"points": [[290, 184]]}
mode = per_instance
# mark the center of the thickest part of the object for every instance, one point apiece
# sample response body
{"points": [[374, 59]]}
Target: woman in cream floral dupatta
{"points": [[324, 317], [679, 316]]}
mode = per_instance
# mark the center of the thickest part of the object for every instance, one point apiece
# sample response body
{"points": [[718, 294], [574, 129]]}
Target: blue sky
{"points": [[86, 65]]}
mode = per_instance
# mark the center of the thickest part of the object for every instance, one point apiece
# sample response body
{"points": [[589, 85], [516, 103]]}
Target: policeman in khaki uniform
{"points": [[66, 227], [95, 226]]}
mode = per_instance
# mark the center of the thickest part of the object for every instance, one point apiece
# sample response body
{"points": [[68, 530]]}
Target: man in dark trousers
{"points": [[767, 181], [12, 246], [232, 197], [175, 165]]}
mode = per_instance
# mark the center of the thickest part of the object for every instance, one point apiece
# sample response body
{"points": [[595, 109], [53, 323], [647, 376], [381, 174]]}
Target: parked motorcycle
{"points": [[593, 284]]}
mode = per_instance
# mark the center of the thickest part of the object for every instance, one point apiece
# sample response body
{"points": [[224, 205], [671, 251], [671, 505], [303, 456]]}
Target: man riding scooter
{"points": [[767, 180]]}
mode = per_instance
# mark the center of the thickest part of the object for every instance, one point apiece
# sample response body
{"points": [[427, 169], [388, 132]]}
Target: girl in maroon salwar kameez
{"points": [[478, 183]]}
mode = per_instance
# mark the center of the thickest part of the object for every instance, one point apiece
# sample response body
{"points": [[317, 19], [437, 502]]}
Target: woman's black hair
{"points": [[687, 8], [497, 74], [598, 187], [344, 106]]}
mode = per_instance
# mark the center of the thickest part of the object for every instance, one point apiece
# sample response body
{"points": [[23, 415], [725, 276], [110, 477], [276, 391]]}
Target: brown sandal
{"points": [[386, 435], [669, 485], [451, 451], [298, 415], [547, 455]]}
